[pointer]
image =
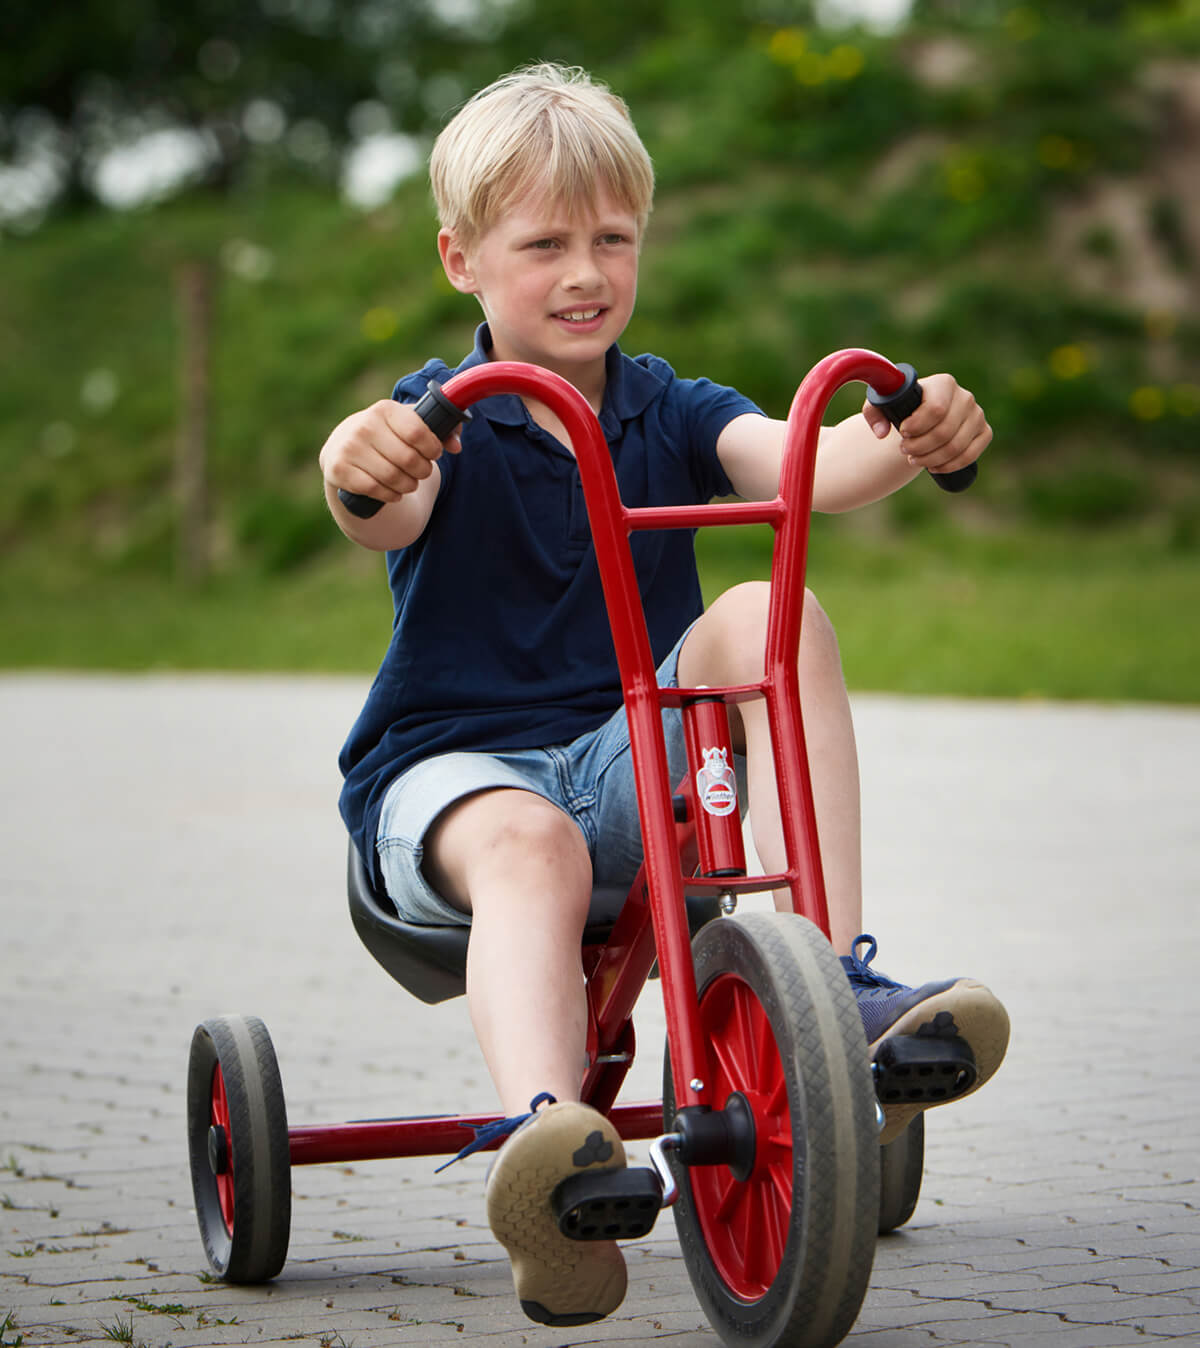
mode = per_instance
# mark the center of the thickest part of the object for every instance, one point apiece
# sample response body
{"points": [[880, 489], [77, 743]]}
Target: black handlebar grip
{"points": [[903, 403], [362, 506], [440, 415]]}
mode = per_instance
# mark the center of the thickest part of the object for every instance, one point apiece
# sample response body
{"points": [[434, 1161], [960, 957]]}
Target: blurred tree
{"points": [[295, 81], [81, 79], [981, 12], [600, 35], [204, 83]]}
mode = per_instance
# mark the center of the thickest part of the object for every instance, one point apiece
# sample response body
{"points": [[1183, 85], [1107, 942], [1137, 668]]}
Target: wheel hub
{"points": [[719, 1136], [218, 1150]]}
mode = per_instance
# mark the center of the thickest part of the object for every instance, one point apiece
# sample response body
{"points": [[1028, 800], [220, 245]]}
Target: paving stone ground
{"points": [[170, 851]]}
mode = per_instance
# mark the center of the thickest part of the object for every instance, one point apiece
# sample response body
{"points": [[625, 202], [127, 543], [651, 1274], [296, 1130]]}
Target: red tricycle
{"points": [[766, 1143]]}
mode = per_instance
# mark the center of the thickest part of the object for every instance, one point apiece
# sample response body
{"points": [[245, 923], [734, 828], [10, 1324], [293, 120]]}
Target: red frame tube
{"points": [[383, 1139], [653, 921], [610, 525], [712, 788]]}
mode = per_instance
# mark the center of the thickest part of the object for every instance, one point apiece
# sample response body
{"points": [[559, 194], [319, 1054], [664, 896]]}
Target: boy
{"points": [[488, 779]]}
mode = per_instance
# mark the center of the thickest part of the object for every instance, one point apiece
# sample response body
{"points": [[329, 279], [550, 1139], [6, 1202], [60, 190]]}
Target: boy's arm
{"points": [[863, 458], [385, 451]]}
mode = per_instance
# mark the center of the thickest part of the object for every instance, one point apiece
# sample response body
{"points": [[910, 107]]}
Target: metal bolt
{"points": [[696, 1084]]}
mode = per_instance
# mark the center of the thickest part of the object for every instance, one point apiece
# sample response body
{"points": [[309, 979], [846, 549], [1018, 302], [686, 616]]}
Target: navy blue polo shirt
{"points": [[500, 638]]}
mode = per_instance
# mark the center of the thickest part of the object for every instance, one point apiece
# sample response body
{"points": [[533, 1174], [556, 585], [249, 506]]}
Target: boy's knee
{"points": [[752, 602], [816, 620], [736, 626], [739, 618], [516, 832], [535, 827]]}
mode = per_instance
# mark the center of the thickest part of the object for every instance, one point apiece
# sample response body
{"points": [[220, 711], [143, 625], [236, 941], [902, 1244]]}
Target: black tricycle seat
{"points": [[431, 962]]}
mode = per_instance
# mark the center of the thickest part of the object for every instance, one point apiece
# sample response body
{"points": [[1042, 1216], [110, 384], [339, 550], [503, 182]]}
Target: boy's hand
{"points": [[948, 430], [385, 451]]}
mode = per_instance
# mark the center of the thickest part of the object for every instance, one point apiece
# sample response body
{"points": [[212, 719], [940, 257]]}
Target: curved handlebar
{"points": [[442, 414]]}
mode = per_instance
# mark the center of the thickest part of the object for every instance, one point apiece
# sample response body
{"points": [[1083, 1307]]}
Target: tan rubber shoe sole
{"points": [[558, 1281], [966, 1009]]}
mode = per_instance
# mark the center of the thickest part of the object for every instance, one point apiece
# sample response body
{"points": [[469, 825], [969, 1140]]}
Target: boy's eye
{"points": [[543, 245]]}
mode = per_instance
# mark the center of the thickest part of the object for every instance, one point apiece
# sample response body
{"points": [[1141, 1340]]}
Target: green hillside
{"points": [[1017, 202]]}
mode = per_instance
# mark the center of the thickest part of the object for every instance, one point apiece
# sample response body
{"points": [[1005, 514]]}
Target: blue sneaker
{"points": [[956, 1008]]}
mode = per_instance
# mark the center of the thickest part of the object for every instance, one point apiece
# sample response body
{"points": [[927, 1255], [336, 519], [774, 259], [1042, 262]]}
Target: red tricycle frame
{"points": [[652, 924]]}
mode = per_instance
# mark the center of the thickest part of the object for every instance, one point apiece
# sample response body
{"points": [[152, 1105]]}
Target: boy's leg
{"points": [[520, 866], [726, 647]]}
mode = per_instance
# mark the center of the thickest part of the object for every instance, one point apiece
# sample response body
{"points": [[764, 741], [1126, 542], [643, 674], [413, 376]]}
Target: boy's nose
{"points": [[583, 274]]}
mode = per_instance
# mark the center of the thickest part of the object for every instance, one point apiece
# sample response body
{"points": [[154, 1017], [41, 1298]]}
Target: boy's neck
{"points": [[550, 421], [589, 380], [592, 389], [592, 386]]}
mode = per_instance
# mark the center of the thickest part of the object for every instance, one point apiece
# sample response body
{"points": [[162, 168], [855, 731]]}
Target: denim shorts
{"points": [[590, 778]]}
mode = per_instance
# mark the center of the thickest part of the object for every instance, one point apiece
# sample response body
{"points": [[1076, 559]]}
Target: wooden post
{"points": [[194, 300]]}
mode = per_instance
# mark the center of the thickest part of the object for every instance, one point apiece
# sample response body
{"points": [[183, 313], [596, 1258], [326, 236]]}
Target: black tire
{"points": [[783, 1256], [901, 1169], [238, 1149]]}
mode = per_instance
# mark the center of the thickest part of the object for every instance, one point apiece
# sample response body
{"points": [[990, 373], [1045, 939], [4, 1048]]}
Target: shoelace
{"points": [[491, 1132], [856, 968]]}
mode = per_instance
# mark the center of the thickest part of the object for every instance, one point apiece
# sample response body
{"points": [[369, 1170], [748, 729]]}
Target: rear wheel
{"points": [[238, 1148], [781, 1252], [901, 1169]]}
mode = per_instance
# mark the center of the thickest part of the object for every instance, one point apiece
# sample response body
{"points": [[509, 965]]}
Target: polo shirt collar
{"points": [[629, 388]]}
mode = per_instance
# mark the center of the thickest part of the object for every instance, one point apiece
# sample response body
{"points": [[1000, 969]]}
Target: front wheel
{"points": [[238, 1148], [781, 1254]]}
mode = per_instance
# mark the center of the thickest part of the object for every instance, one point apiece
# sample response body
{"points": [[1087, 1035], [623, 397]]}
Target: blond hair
{"points": [[543, 130]]}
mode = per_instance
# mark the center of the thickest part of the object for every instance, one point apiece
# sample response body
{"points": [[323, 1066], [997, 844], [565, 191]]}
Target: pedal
{"points": [[921, 1069], [608, 1205]]}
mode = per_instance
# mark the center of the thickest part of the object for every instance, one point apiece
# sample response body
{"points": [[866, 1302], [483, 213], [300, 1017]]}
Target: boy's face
{"points": [[557, 288]]}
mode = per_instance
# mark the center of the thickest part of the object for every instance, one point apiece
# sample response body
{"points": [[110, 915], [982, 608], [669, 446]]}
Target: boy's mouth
{"points": [[580, 317]]}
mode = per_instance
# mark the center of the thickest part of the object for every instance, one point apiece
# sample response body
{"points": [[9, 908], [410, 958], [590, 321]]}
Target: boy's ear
{"points": [[455, 262]]}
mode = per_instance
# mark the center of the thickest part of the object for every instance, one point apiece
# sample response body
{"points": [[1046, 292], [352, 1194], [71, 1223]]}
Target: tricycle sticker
{"points": [[716, 785]]}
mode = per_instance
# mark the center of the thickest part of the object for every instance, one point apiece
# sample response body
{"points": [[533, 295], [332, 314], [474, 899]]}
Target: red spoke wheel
{"points": [[780, 1251], [238, 1148], [901, 1169]]}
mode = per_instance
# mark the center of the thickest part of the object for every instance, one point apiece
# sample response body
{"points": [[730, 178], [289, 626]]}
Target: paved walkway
{"points": [[170, 851]]}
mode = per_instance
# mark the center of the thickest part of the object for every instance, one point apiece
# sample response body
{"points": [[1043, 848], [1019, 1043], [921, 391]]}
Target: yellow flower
{"points": [[1147, 403], [846, 62], [379, 324], [964, 177], [787, 45], [811, 68], [1068, 362]]}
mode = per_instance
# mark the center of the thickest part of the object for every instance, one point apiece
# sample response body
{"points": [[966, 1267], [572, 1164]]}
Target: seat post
{"points": [[714, 781]]}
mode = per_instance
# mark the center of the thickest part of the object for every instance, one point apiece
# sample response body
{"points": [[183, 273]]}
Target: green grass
{"points": [[1088, 615], [1029, 617], [1079, 615], [792, 218]]}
